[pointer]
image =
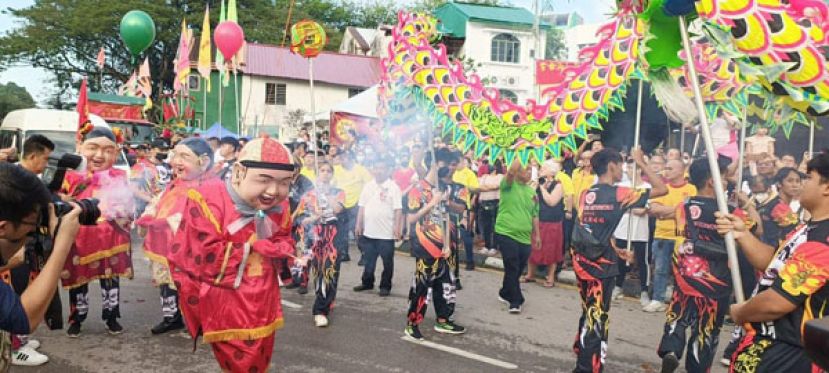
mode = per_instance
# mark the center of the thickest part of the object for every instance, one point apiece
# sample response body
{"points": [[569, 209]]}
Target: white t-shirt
{"points": [[640, 230], [378, 203]]}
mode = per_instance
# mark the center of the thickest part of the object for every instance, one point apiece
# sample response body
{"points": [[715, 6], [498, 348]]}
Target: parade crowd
{"points": [[227, 222]]}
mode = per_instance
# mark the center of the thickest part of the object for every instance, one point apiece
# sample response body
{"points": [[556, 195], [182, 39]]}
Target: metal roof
{"points": [[454, 16], [333, 68]]}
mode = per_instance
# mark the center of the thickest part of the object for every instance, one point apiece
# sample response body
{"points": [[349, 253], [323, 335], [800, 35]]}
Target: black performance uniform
{"points": [[601, 207], [799, 272], [704, 287]]}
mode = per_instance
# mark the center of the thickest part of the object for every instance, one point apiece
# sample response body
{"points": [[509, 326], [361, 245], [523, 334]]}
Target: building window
{"points": [[505, 48], [509, 95], [275, 94], [194, 82], [355, 91]]}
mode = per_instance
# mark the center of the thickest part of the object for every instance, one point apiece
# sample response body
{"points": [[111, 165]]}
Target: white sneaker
{"points": [[655, 306], [669, 292], [617, 293], [483, 251], [644, 299], [28, 357], [320, 321], [493, 252], [725, 362]]}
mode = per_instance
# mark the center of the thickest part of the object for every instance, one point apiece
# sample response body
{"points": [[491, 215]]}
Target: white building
{"points": [[367, 42], [578, 37], [501, 39], [276, 82]]}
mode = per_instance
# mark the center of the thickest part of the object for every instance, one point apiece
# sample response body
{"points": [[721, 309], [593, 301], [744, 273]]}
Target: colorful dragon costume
{"points": [[748, 44]]}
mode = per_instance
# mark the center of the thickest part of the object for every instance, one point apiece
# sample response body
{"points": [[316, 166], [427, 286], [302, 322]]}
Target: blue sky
{"points": [[36, 81]]}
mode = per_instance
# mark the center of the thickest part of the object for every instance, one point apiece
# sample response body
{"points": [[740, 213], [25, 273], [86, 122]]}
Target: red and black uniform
{"points": [[321, 239], [799, 272], [432, 271], [600, 209], [704, 287], [778, 220]]}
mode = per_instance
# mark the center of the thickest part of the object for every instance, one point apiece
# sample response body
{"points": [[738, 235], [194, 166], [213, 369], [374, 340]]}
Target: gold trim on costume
{"points": [[156, 258], [198, 198], [103, 254], [243, 334]]}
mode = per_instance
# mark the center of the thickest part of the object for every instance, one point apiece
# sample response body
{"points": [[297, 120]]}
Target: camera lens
{"points": [[89, 211]]}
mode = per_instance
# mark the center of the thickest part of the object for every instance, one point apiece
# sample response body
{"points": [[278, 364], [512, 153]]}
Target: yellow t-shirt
{"points": [[469, 179], [582, 180], [308, 172], [566, 183], [666, 228], [351, 182]]}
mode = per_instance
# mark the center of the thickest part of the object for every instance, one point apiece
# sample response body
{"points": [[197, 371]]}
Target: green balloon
{"points": [[137, 31]]}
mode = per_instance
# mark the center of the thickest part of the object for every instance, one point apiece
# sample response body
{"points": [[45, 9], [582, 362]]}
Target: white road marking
{"points": [[290, 304], [462, 353]]}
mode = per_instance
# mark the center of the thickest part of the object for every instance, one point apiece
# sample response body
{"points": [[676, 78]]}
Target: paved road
{"points": [[366, 330]]}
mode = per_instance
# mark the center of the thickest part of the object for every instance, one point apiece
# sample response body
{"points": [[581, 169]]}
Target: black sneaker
{"points": [[458, 285], [302, 290], [292, 285], [345, 258], [449, 327], [363, 287], [470, 267], [74, 330], [167, 325], [361, 262], [413, 332], [669, 363], [384, 292], [113, 327]]}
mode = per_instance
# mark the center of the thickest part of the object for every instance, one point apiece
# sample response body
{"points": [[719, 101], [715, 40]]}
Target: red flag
{"points": [[83, 111], [169, 109], [101, 58]]}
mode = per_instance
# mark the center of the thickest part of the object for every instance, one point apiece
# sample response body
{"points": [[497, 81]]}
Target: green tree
{"points": [[13, 97], [378, 13], [64, 36], [555, 48]]}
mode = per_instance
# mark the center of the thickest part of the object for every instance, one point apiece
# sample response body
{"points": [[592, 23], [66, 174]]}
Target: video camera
{"points": [[53, 177]]}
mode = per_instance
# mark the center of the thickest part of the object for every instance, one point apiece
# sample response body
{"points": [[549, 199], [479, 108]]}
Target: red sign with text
{"points": [[549, 72]]}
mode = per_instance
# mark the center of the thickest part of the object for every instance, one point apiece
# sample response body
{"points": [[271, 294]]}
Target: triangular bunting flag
{"points": [[539, 154], [494, 152], [470, 141], [524, 156], [509, 156], [480, 148]]}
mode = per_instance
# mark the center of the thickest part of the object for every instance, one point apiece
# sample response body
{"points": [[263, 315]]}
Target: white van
{"points": [[60, 126]]}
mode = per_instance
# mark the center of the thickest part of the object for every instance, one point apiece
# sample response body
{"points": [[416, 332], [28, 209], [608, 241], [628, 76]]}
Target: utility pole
{"points": [[539, 54]]}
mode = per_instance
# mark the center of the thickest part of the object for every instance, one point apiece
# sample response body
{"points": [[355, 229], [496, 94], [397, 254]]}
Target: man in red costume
{"points": [[223, 258], [101, 251]]}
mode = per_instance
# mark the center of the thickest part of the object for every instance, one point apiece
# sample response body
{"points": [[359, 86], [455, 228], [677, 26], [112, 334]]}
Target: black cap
{"points": [[160, 143], [230, 141]]}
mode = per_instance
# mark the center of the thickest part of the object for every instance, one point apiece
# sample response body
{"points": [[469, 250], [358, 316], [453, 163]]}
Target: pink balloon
{"points": [[229, 38]]}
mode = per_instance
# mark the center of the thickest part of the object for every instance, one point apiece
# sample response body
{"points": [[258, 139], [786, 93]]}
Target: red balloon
{"points": [[229, 38]]}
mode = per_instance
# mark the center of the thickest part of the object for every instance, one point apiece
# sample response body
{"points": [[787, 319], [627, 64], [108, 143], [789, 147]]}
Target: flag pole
{"points": [[722, 204], [313, 113], [812, 136], [741, 156], [633, 174], [221, 88], [239, 123], [204, 105]]}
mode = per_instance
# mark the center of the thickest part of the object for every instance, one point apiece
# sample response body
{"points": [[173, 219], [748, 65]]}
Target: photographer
{"points": [[28, 262], [22, 195]]}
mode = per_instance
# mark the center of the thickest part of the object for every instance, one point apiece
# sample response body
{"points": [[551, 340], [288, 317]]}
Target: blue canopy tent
{"points": [[216, 130]]}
